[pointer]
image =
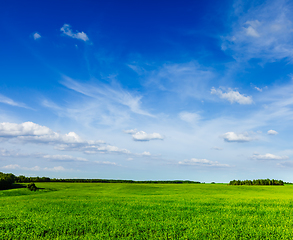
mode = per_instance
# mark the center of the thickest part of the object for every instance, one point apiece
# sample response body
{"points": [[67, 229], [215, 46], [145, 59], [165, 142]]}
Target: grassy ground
{"points": [[147, 211]]}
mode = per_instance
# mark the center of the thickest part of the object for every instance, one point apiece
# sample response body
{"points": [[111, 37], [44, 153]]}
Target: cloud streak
{"points": [[268, 156], [64, 158], [36, 168], [66, 29], [202, 163], [109, 94], [9, 101], [186, 79]]}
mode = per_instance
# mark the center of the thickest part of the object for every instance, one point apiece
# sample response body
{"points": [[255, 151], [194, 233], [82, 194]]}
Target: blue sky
{"points": [[197, 90]]}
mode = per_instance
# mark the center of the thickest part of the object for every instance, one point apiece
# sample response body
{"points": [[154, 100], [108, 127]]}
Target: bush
{"points": [[32, 187]]}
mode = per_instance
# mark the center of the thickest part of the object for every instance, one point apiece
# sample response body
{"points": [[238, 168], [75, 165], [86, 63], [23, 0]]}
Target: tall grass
{"points": [[146, 211]]}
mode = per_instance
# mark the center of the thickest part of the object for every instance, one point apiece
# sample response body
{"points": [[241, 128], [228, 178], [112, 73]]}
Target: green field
{"points": [[147, 211]]}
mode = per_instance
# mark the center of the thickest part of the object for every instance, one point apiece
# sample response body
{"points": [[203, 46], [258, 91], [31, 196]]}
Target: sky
{"points": [[147, 90]]}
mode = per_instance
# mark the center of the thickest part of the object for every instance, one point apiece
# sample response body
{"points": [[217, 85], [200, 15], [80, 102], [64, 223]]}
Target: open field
{"points": [[147, 211]]}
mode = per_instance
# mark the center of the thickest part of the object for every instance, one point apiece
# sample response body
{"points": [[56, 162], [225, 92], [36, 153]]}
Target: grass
{"points": [[146, 211]]}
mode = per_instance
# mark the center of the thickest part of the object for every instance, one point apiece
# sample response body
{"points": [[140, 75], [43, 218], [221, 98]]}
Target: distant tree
{"points": [[32, 187]]}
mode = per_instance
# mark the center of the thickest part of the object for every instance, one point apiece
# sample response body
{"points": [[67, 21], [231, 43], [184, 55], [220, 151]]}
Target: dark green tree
{"points": [[32, 187]]}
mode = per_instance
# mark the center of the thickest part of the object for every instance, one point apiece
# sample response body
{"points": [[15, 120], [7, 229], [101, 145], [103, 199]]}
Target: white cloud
{"points": [[146, 154], [234, 137], [203, 163], [92, 148], [113, 149], [268, 156], [10, 102], [130, 131], [56, 169], [189, 117], [66, 29], [143, 136], [232, 96], [272, 132], [65, 158], [11, 166], [36, 36], [30, 132], [106, 163], [36, 168]]}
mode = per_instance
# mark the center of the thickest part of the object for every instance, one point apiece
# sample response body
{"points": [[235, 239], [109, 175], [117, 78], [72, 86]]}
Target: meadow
{"points": [[146, 211]]}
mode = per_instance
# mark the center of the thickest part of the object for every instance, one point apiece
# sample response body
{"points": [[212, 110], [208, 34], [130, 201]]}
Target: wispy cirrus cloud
{"points": [[189, 117], [186, 79], [9, 101], [217, 148], [66, 29], [286, 164], [110, 94], [261, 31], [232, 96]]}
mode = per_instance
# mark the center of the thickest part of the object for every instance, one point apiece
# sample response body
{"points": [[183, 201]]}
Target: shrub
{"points": [[32, 187]]}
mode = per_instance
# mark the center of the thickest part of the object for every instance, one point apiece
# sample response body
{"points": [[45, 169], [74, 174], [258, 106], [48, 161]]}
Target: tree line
{"points": [[23, 179], [257, 182], [7, 179]]}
